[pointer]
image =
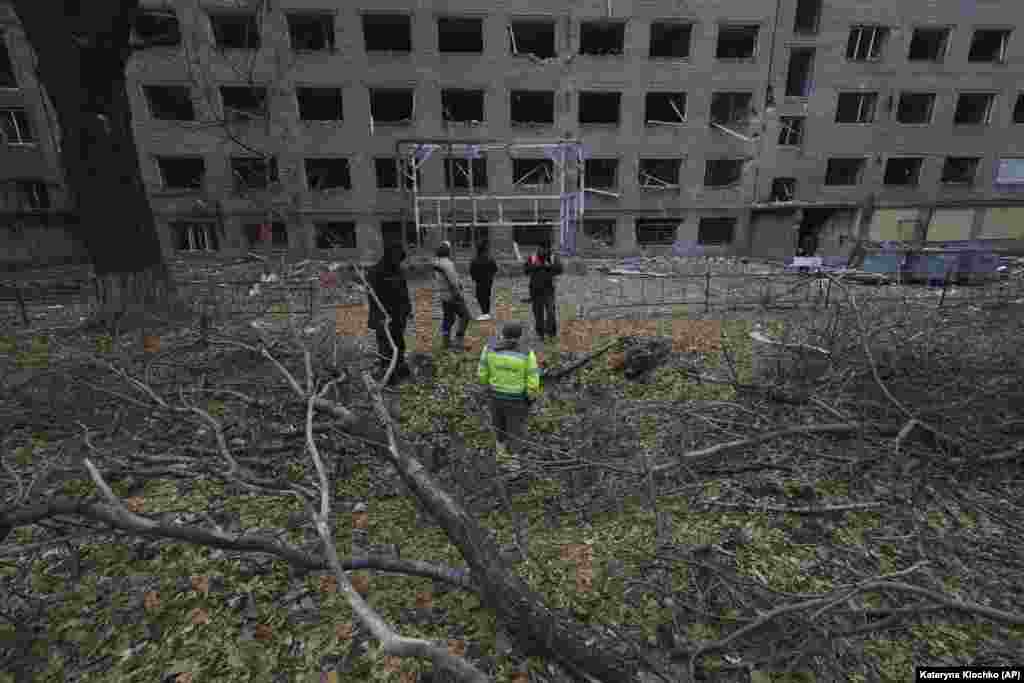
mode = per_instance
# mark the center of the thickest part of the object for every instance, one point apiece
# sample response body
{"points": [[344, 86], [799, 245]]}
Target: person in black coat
{"points": [[482, 270], [389, 283], [542, 271]]}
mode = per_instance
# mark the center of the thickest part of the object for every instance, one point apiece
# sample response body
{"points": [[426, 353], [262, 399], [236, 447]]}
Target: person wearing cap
{"points": [[513, 377], [453, 302], [392, 289]]}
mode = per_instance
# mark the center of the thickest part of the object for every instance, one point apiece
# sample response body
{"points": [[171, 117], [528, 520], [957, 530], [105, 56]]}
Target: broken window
{"points": [[387, 171], [665, 108], [170, 102], [960, 170], [278, 234], [311, 32], [808, 16], [865, 43], [602, 37], [783, 189], [243, 103], [671, 39], [915, 107], [928, 44], [1018, 109], [973, 109], [236, 31], [844, 171], [195, 235], [460, 174], [335, 235], [15, 127], [655, 231], [737, 42], [731, 108], [320, 104], [328, 174], [387, 32], [182, 173], [801, 66], [600, 174], [535, 38], [600, 230], [533, 172], [7, 77], [716, 230], [463, 106], [33, 194], [391, 106], [791, 130], [722, 172], [532, 107], [458, 34], [253, 173], [156, 28], [856, 107], [989, 45], [903, 171], [532, 235], [658, 174]]}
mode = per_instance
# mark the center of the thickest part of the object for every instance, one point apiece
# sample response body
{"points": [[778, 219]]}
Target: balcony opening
{"points": [[915, 107], [973, 109], [533, 172], [195, 235], [532, 107], [903, 171], [535, 38], [15, 127], [665, 108], [865, 43], [1018, 109], [460, 35], [723, 172], [32, 194], [463, 106], [335, 235], [960, 170], [671, 40], [656, 231], [600, 174], [600, 231], [791, 131], [602, 37], [328, 174], [989, 45], [716, 230], [801, 67], [731, 108], [844, 171], [387, 32], [156, 28], [856, 107], [236, 31], [737, 42], [387, 171], [170, 102], [659, 174], [7, 76], [783, 189], [808, 17], [182, 173], [312, 32], [278, 234], [928, 45], [391, 106], [461, 174], [243, 103], [320, 104], [253, 173]]}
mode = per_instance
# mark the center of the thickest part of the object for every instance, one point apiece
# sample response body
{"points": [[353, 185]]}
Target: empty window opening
{"points": [[388, 170], [716, 230], [1018, 109], [801, 67], [903, 171], [973, 109], [856, 107], [960, 170], [335, 235], [731, 108], [170, 102], [599, 107], [737, 42], [253, 173], [328, 174], [278, 234], [236, 31], [656, 231], [16, 128], [671, 40], [989, 45], [844, 171], [602, 37], [915, 107], [391, 106], [460, 174], [600, 174], [387, 32], [791, 130], [600, 230], [7, 76], [783, 189], [244, 103], [320, 104], [535, 38], [195, 235], [658, 174], [665, 108], [463, 106], [928, 44], [533, 235], [533, 172], [182, 173], [865, 43], [533, 107], [723, 172], [33, 194], [808, 17], [311, 32], [156, 28], [459, 34]]}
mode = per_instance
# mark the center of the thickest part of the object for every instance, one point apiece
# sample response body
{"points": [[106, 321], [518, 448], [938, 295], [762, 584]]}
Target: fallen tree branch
{"points": [[808, 510], [556, 374]]}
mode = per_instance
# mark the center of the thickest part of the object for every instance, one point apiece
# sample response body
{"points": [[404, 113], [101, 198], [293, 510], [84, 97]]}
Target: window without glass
{"points": [[600, 230], [903, 171], [1018, 109], [960, 170], [723, 172], [387, 171], [844, 171], [654, 231], [535, 38], [182, 173], [808, 16], [195, 235], [7, 77], [311, 32], [33, 194], [456, 34], [156, 28], [731, 108], [533, 235], [253, 173], [320, 104], [335, 235], [865, 43], [278, 234], [599, 107], [463, 106], [602, 37], [791, 130], [391, 106], [170, 102], [716, 230], [235, 31], [243, 103], [387, 32], [989, 45], [532, 107], [328, 174], [783, 189], [658, 174], [928, 44], [671, 40], [664, 108], [973, 109], [915, 107], [15, 127], [600, 174], [856, 107], [737, 42], [801, 66], [533, 172], [460, 174]]}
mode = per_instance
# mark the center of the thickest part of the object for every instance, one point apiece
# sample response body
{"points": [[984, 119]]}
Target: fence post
{"points": [[21, 304], [707, 290], [945, 286], [828, 291]]}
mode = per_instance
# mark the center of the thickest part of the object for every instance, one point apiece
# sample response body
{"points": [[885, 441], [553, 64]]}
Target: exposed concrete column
{"points": [[745, 226], [924, 219], [978, 225], [625, 235]]}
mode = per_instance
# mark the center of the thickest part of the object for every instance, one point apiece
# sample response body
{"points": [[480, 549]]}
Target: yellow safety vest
{"points": [[510, 373]]}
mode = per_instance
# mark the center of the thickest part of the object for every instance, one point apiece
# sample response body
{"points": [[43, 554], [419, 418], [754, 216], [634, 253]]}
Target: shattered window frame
{"points": [[34, 193], [906, 105], [278, 235], [791, 130], [516, 39], [961, 109], [172, 96], [783, 189], [454, 28], [335, 235], [600, 230], [902, 171], [600, 30], [656, 231], [245, 168], [599, 101], [866, 105], [670, 32], [321, 169], [533, 172], [310, 94], [838, 171], [459, 171], [716, 230], [866, 42], [173, 167], [740, 108], [16, 128], [960, 170], [802, 26], [195, 235], [453, 96], [732, 36], [379, 39], [591, 165], [385, 168], [8, 77], [311, 31], [159, 28], [376, 105], [931, 41], [999, 57], [520, 95], [238, 111], [224, 24], [805, 76], [656, 100], [724, 172], [654, 173]]}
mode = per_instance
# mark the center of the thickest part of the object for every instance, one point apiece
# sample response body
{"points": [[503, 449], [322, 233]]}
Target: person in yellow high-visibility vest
{"points": [[514, 380]]}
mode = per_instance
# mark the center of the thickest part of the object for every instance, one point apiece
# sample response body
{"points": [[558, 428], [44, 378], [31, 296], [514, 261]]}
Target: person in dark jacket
{"points": [[389, 283], [482, 270], [542, 271]]}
